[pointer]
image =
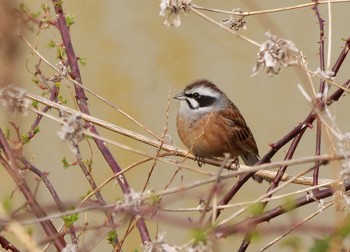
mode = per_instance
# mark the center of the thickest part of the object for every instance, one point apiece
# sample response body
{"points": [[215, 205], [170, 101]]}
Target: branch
{"points": [[11, 167], [81, 101], [247, 224], [253, 13]]}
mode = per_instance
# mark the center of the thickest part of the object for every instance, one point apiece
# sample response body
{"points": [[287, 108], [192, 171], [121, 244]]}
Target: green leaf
{"points": [[84, 195], [289, 204], [82, 61], [89, 163], [321, 245], [7, 204], [7, 133], [294, 243], [36, 130], [65, 163], [61, 52], [45, 7], [51, 44], [70, 20], [199, 235], [35, 80], [112, 238], [25, 138], [70, 219], [58, 3], [256, 209], [35, 104], [62, 100]]}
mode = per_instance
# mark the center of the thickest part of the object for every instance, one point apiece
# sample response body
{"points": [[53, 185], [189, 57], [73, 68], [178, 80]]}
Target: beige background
{"points": [[134, 61]]}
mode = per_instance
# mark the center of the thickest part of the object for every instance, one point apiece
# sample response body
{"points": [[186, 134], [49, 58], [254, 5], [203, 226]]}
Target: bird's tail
{"points": [[251, 159]]}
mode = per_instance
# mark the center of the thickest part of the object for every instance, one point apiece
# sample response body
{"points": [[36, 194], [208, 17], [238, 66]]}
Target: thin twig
{"points": [[252, 13], [240, 36], [329, 50], [295, 226]]}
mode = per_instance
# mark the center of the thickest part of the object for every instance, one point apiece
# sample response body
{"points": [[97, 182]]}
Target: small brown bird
{"points": [[210, 125]]}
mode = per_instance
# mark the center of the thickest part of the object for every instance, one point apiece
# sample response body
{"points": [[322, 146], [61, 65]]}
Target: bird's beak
{"points": [[180, 96]]}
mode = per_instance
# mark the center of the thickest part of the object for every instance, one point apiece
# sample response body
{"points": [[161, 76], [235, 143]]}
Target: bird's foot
{"points": [[236, 163], [200, 160]]}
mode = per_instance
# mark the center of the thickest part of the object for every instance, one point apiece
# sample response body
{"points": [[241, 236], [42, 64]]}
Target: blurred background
{"points": [[137, 63]]}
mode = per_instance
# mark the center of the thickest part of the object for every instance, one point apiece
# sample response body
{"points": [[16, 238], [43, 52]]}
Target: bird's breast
{"points": [[207, 136]]}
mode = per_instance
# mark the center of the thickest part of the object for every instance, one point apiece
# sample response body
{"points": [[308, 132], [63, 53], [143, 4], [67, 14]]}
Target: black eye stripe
{"points": [[203, 100]]}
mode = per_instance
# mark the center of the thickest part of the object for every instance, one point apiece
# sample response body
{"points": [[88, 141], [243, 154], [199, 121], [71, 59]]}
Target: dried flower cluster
{"points": [[274, 53], [344, 148], [62, 73], [160, 245], [171, 10], [328, 74], [13, 99], [72, 131], [134, 200], [235, 24], [70, 248]]}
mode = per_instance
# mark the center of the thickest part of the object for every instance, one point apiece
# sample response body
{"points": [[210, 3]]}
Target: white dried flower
{"points": [[274, 53], [160, 245], [62, 73], [344, 148], [171, 10], [328, 74], [235, 24], [72, 130], [13, 99], [200, 247], [70, 248], [134, 199]]}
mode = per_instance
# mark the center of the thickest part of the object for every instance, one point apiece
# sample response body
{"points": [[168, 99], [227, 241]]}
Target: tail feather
{"points": [[251, 159]]}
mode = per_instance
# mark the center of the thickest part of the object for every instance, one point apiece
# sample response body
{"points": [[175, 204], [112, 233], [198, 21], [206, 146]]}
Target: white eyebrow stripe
{"points": [[205, 91]]}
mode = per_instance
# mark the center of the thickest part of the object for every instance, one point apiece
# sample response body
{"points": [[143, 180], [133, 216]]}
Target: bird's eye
{"points": [[196, 95]]}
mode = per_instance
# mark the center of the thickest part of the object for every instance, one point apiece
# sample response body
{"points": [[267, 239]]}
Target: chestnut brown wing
{"points": [[241, 135]]}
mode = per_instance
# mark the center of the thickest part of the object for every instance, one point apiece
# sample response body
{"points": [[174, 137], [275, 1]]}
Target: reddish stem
{"points": [[81, 101], [10, 164]]}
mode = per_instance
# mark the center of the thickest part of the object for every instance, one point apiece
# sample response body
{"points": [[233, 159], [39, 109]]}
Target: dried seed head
{"points": [[344, 148], [160, 245], [275, 53], [13, 99], [72, 130], [62, 73], [171, 10], [235, 24]]}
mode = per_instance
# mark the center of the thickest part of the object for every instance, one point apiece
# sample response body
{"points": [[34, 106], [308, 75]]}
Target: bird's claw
{"points": [[200, 160]]}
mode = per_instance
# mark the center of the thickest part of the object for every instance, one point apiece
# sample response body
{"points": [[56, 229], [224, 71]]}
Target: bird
{"points": [[210, 125]]}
